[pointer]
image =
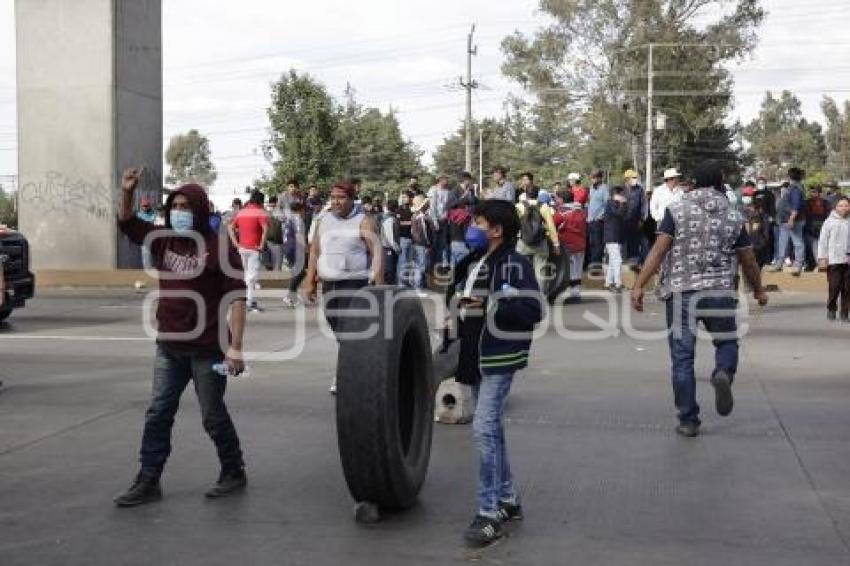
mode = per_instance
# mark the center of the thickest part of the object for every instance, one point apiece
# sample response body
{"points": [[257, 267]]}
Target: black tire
{"points": [[561, 280], [385, 400], [4, 313]]}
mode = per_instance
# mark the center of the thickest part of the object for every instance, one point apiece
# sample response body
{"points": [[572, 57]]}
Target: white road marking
{"points": [[75, 338]]}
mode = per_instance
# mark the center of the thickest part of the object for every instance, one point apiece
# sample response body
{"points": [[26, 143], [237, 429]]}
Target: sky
{"points": [[220, 58]]}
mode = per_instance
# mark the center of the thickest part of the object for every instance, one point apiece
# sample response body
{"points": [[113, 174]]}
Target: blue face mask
{"points": [[181, 220], [476, 239]]}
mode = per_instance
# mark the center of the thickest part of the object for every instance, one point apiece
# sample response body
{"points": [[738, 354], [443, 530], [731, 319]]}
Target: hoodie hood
{"points": [[198, 201], [835, 216]]}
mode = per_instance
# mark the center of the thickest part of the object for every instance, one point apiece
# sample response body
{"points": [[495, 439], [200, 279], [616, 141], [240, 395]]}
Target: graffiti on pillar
{"points": [[59, 193]]}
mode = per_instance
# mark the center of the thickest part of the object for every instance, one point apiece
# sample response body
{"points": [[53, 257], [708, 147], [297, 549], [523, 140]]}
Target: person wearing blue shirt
{"points": [[597, 201], [791, 221]]}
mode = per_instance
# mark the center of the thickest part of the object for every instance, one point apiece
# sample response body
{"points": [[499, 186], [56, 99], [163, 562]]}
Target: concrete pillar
{"points": [[89, 105]]}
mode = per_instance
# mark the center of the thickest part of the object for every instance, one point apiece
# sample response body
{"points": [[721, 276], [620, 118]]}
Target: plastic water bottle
{"points": [[226, 370]]}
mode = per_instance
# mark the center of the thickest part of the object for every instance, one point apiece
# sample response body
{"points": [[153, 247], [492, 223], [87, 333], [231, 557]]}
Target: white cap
{"points": [[671, 174], [573, 177]]}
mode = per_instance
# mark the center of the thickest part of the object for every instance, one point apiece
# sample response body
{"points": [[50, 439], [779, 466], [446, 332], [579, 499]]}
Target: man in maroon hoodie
{"points": [[193, 284]]}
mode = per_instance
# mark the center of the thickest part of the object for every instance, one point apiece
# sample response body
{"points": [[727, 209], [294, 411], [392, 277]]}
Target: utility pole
{"points": [[480, 161], [649, 125], [469, 84]]}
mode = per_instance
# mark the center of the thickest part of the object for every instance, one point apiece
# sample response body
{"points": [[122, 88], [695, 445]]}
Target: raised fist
{"points": [[130, 179]]}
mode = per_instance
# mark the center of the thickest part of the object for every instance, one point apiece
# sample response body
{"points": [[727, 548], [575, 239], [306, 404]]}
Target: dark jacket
{"points": [[613, 220], [482, 351]]}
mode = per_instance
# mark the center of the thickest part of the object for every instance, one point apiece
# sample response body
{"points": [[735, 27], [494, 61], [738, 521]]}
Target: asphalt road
{"points": [[603, 477]]}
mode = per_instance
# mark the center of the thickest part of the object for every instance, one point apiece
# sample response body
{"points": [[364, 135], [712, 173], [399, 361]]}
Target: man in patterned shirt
{"points": [[697, 240]]}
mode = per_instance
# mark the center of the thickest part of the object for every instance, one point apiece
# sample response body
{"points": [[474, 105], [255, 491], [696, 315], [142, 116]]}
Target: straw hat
{"points": [[419, 201]]}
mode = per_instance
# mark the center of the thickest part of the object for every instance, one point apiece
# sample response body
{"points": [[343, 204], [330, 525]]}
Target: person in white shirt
{"points": [[665, 194]]}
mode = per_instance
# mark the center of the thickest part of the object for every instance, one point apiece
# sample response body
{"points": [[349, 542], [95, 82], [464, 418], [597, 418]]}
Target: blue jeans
{"points": [[405, 256], [495, 482], [172, 372], [684, 312], [420, 266], [796, 236]]}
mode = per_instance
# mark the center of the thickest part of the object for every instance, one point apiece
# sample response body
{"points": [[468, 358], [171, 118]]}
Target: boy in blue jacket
{"points": [[497, 304]]}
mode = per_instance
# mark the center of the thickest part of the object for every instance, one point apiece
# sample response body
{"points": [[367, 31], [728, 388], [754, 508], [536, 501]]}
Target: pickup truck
{"points": [[20, 282]]}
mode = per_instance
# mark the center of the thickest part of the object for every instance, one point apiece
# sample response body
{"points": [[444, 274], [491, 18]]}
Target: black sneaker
{"points": [[830, 315], [483, 531], [510, 512], [688, 430], [145, 489], [722, 384], [228, 482]]}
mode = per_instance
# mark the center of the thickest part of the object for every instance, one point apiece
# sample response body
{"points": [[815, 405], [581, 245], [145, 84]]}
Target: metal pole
{"points": [[649, 86], [480, 160], [469, 85]]}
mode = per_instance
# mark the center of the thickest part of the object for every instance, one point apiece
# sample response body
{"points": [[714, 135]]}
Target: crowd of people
{"points": [[493, 250]]}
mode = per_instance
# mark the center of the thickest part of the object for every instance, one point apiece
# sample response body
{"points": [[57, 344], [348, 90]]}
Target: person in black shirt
{"points": [[405, 256]]}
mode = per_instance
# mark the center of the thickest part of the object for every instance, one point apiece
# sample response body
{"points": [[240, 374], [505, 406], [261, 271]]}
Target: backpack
{"points": [[274, 235], [532, 231]]}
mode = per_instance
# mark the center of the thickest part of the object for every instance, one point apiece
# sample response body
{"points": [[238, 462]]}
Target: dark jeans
{"points": [[390, 266], [172, 372], [338, 296], [839, 287], [635, 242], [298, 277], [596, 231], [684, 312], [440, 247]]}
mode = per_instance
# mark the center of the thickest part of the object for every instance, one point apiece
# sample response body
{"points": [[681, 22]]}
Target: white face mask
{"points": [[747, 200]]}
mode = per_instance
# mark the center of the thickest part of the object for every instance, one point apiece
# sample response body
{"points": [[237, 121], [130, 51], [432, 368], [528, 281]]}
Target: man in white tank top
{"points": [[345, 255]]}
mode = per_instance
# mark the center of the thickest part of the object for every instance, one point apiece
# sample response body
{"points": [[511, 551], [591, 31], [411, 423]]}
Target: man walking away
{"points": [[248, 232], [188, 252], [274, 236], [697, 240], [538, 235]]}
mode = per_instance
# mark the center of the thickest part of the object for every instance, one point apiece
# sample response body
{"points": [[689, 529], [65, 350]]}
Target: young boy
{"points": [[614, 232], [497, 306], [832, 257]]}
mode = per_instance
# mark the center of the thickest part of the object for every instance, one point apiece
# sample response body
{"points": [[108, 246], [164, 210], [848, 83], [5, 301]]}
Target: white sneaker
{"points": [[291, 303], [332, 389]]}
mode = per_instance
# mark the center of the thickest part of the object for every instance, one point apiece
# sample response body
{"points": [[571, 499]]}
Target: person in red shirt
{"points": [[193, 264], [571, 223], [577, 189], [248, 231]]}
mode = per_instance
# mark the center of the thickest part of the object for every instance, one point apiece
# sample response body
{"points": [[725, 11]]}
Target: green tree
{"points": [[837, 138], [594, 56], [304, 123], [188, 157], [316, 140], [8, 210], [780, 137]]}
